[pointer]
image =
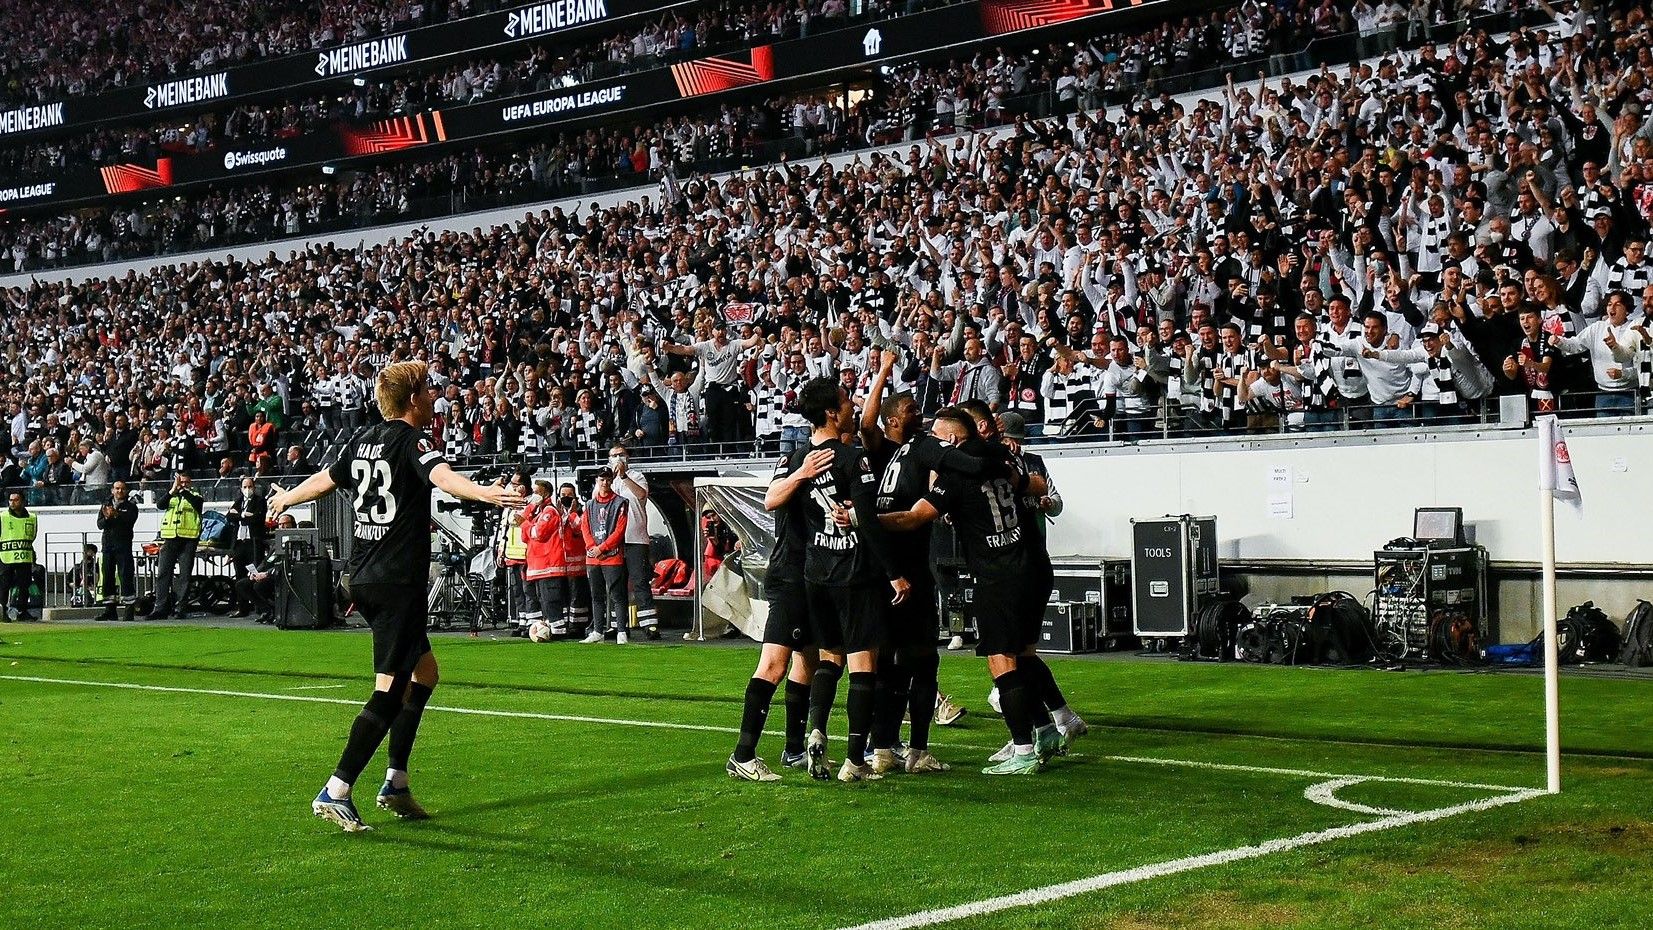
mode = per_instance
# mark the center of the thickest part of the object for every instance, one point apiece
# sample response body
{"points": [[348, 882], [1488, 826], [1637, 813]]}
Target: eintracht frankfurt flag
{"points": [[1555, 464]]}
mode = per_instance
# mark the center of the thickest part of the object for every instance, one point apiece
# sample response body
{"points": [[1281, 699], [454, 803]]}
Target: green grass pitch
{"points": [[568, 805]]}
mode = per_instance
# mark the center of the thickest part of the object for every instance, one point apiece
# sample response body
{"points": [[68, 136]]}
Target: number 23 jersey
{"points": [[385, 470]]}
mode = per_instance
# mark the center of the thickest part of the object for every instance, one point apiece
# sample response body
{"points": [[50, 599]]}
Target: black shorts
{"points": [[849, 619], [1008, 614], [397, 617], [914, 623], [788, 624]]}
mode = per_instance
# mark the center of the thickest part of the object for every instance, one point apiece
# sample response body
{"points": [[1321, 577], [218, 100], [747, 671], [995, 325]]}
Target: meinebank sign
{"points": [[27, 192], [372, 54], [25, 119], [234, 160], [550, 17], [187, 90]]}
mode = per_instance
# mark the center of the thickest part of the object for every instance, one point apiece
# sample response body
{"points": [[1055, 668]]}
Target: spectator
{"points": [[116, 518]]}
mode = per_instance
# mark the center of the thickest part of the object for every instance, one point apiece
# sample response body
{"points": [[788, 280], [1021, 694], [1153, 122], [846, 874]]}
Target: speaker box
{"points": [[304, 595]]}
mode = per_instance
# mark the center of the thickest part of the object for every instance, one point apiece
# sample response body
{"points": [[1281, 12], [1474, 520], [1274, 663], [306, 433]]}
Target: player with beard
{"points": [[904, 456], [389, 469], [843, 570], [988, 520], [787, 634]]}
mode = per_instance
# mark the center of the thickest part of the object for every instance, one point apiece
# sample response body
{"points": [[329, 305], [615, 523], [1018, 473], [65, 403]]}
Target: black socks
{"points": [[406, 726], [1016, 703], [366, 733], [823, 690], [758, 695], [921, 697], [860, 705], [797, 714]]}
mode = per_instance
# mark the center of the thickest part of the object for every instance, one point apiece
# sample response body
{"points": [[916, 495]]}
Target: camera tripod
{"points": [[458, 599]]}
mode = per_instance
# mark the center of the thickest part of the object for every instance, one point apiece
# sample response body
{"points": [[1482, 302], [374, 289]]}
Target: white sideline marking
{"points": [[313, 688], [1303, 773], [704, 728], [1325, 793], [1051, 893]]}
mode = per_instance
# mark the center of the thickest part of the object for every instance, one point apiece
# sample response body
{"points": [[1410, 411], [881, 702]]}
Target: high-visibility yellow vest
{"points": [[17, 538], [181, 519], [516, 548]]}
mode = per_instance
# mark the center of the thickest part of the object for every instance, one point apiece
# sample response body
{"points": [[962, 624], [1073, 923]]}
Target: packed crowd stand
{"points": [[908, 102], [674, 35], [1404, 241]]}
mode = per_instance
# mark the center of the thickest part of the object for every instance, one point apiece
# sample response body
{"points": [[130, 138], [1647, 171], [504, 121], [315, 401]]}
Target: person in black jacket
{"points": [[246, 525], [115, 519]]}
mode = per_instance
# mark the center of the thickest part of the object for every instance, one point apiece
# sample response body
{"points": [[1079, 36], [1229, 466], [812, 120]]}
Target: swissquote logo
{"points": [[550, 17], [374, 53], [187, 90], [234, 160]]}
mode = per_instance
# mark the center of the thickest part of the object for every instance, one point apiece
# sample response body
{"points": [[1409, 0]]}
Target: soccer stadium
{"points": [[857, 464]]}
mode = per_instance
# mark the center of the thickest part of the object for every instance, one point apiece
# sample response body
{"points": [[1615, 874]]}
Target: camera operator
{"points": [[116, 518], [251, 535], [180, 534]]}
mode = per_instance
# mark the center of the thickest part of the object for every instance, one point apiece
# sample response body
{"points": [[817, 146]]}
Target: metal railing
{"points": [[70, 582]]}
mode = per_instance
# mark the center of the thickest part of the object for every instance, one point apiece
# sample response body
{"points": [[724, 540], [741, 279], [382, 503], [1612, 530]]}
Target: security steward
{"points": [[180, 534], [17, 531]]}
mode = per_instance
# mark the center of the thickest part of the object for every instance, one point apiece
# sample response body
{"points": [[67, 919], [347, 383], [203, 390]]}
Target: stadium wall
{"points": [[1299, 515]]}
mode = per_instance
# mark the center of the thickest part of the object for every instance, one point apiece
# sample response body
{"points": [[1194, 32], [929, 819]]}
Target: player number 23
{"points": [[374, 502]]}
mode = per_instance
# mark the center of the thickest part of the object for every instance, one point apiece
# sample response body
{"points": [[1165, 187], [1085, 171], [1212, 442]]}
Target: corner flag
{"points": [[1555, 464]]}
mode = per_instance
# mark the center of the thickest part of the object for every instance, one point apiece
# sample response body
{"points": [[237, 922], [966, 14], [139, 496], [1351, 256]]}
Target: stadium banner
{"points": [[837, 54], [403, 50]]}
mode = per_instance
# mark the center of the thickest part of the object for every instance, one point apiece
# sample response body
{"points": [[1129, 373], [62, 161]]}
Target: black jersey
{"points": [[786, 560], [904, 481], [835, 555], [385, 468], [986, 515], [1032, 515]]}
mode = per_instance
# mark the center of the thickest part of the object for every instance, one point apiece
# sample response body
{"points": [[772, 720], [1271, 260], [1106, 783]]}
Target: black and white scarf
{"points": [[1440, 369], [1318, 386]]}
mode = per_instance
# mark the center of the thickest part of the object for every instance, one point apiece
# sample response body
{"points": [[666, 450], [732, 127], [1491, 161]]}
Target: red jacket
{"points": [[541, 528]]}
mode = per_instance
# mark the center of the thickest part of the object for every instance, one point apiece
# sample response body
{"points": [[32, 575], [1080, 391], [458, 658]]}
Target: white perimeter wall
{"points": [[1329, 500]]}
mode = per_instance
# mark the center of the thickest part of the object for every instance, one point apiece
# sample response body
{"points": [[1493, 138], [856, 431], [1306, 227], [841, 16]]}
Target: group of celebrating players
{"points": [[849, 583], [850, 587]]}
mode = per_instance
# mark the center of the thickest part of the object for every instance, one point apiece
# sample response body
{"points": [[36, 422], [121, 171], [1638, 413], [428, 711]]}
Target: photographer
{"points": [[180, 534], [115, 519]]}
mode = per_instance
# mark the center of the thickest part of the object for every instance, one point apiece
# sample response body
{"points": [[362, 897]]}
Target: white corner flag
{"points": [[1555, 481], [1555, 464]]}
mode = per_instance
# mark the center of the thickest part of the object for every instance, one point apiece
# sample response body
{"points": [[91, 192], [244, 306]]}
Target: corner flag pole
{"points": [[1547, 439]]}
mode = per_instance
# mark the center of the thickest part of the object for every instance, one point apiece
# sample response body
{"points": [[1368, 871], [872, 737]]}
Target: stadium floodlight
{"points": [[328, 169]]}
